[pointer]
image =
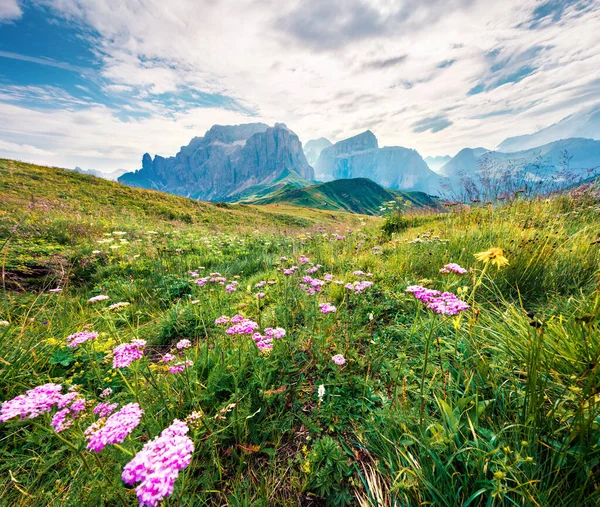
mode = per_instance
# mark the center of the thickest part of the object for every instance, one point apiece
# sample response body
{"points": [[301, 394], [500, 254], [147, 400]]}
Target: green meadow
{"points": [[495, 405]]}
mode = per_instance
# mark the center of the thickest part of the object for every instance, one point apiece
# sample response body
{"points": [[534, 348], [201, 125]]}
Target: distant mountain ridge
{"points": [[113, 175], [227, 160], [583, 124], [436, 163], [358, 195], [575, 157], [313, 148], [393, 167]]}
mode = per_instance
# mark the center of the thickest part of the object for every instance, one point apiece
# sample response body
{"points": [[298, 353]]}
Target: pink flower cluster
{"points": [[157, 466], [358, 287], [265, 342], [303, 259], [114, 429], [106, 393], [77, 339], [223, 319], [71, 405], [241, 325], [126, 353], [246, 326], [260, 284], [339, 359], [232, 287], [179, 367], [453, 268], [105, 409], [327, 308], [311, 285], [183, 344], [212, 278], [290, 271], [444, 303], [36, 401], [313, 269]]}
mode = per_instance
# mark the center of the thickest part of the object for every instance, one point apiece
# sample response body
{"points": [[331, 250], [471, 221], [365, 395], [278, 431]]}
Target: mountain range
{"points": [[113, 175], [436, 163], [583, 124], [227, 160], [259, 163], [393, 167], [578, 157]]}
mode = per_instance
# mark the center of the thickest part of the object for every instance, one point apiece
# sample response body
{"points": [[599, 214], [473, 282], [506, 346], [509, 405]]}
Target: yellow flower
{"points": [[493, 255]]}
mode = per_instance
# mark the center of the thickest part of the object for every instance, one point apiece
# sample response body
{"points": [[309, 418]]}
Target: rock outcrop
{"points": [[392, 167], [227, 160]]}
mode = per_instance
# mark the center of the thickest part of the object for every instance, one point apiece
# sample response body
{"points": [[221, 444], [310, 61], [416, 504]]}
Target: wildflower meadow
{"points": [[245, 356]]}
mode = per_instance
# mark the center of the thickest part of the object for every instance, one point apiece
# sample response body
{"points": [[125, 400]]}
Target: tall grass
{"points": [[510, 408]]}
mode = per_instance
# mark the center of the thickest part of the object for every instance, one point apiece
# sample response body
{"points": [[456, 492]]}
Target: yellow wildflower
{"points": [[493, 255]]}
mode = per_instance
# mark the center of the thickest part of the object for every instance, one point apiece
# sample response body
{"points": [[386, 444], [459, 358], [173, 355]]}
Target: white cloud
{"points": [[252, 52], [9, 10], [95, 138]]}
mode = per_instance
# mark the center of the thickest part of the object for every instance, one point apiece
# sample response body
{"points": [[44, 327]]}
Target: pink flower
{"points": [[105, 409], [157, 466], [245, 326], [77, 339], [71, 405], [327, 308], [126, 353], [223, 319], [106, 393], [358, 287], [303, 259], [339, 359], [443, 303], [260, 295], [278, 332], [183, 344], [115, 429], [453, 268], [167, 357], [178, 368], [34, 402]]}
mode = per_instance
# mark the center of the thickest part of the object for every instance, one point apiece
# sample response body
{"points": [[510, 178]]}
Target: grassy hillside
{"points": [[497, 405], [57, 209], [288, 180], [358, 195]]}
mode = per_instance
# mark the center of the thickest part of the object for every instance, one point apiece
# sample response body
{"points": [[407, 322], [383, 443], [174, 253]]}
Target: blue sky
{"points": [[97, 83]]}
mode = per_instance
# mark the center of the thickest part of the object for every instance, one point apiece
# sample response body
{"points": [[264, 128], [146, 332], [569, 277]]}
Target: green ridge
{"points": [[357, 195]]}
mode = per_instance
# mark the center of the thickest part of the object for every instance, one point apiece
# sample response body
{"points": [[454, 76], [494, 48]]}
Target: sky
{"points": [[97, 83]]}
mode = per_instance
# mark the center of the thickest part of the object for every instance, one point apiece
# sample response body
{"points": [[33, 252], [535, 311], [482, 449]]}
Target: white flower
{"points": [[321, 393], [4, 323]]}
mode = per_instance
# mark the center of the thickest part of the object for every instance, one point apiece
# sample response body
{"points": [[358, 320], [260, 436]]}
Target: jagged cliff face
{"points": [[392, 167], [227, 160]]}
